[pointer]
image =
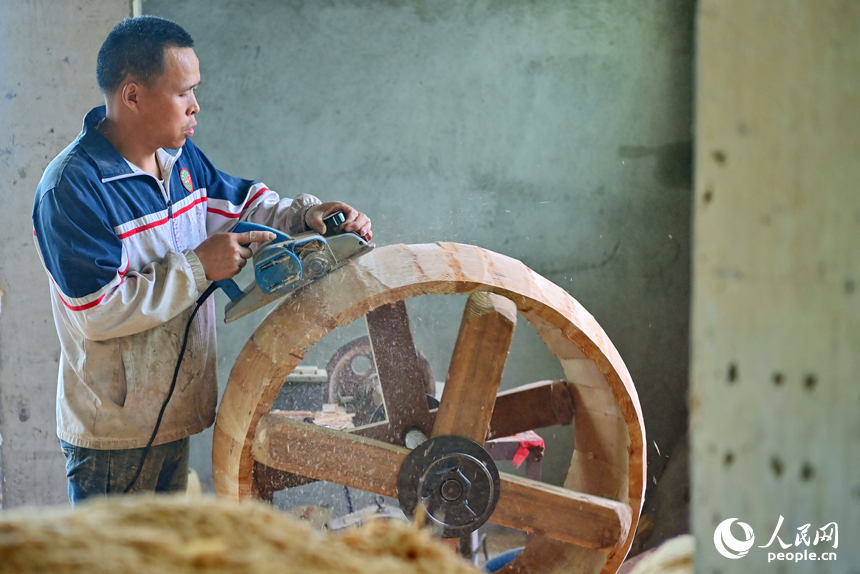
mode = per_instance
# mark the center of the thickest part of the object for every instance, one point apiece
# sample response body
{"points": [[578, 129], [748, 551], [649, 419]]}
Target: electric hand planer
{"points": [[291, 262]]}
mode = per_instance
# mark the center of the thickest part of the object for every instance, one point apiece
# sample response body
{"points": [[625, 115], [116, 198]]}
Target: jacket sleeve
{"points": [[232, 199], [89, 271]]}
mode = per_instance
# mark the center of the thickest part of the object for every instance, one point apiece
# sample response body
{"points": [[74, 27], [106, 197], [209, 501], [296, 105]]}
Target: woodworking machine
{"points": [[289, 263]]}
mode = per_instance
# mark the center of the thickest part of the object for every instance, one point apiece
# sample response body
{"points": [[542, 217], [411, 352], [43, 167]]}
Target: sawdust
{"points": [[174, 535], [675, 556]]}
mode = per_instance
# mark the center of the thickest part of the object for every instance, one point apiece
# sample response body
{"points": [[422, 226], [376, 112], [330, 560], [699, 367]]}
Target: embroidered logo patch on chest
{"points": [[185, 176]]}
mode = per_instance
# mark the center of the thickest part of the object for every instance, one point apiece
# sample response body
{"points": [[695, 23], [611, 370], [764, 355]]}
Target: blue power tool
{"points": [[290, 262]]}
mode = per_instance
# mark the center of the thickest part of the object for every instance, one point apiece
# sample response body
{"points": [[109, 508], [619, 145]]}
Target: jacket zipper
{"points": [[165, 188], [164, 191], [170, 222]]}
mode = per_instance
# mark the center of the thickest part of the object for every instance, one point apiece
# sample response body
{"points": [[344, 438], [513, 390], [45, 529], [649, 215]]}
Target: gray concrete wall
{"points": [[555, 132], [47, 83], [776, 310]]}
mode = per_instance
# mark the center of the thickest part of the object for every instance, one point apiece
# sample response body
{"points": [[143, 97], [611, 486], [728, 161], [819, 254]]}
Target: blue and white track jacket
{"points": [[117, 246]]}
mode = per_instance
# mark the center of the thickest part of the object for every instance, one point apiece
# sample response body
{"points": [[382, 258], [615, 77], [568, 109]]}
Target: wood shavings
{"points": [[675, 556], [174, 535]]}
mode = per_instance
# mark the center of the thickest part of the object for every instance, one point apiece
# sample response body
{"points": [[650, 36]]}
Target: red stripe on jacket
{"points": [[161, 221], [99, 300], [237, 215], [80, 307]]}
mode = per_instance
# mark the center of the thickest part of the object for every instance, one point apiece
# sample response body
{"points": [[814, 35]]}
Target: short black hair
{"points": [[135, 47]]}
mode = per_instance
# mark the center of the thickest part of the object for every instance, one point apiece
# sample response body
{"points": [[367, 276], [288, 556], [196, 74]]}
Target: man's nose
{"points": [[195, 106]]}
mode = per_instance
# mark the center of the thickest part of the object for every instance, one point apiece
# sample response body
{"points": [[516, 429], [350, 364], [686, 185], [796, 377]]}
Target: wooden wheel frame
{"points": [[585, 527]]}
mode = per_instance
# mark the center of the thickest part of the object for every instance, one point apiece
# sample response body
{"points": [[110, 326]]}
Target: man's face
{"points": [[168, 107]]}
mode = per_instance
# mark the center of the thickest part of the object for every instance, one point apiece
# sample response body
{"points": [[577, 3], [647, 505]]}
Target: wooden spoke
{"points": [[371, 465], [476, 367], [398, 369], [381, 431], [582, 519], [530, 407], [269, 480], [326, 454]]}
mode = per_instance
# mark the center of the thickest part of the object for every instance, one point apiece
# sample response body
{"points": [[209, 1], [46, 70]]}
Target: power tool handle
{"points": [[333, 222], [244, 226], [230, 287]]}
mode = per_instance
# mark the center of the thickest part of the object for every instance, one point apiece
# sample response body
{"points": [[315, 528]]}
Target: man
{"points": [[132, 223]]}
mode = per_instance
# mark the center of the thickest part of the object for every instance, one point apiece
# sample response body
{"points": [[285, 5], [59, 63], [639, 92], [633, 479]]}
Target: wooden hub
{"points": [[585, 527]]}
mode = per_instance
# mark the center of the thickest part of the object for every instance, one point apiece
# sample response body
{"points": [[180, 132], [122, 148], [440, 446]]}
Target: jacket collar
{"points": [[108, 161]]}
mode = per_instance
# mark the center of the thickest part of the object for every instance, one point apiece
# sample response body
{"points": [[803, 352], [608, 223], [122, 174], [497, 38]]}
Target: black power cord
{"points": [[200, 301], [332, 223]]}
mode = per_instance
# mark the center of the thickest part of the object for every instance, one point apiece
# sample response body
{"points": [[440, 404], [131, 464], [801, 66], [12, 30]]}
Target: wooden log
{"points": [[609, 455]]}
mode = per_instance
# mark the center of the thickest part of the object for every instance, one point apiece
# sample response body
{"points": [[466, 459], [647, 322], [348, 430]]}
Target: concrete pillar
{"points": [[47, 83], [774, 401]]}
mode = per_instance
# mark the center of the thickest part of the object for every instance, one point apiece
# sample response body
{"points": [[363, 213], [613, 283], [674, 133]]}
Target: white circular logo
{"points": [[726, 542]]}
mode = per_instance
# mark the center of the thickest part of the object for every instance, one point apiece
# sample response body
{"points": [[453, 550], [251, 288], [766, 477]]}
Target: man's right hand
{"points": [[223, 255]]}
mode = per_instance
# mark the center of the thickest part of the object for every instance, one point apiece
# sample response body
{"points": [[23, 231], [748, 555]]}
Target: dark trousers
{"points": [[101, 472]]}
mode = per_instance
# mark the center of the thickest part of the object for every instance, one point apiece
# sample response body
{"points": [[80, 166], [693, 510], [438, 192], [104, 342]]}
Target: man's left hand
{"points": [[356, 222]]}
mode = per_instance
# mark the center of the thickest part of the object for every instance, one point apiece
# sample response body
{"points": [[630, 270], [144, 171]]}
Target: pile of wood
{"points": [[172, 535]]}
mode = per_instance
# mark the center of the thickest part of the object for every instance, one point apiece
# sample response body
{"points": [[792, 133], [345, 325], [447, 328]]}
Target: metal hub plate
{"points": [[454, 479]]}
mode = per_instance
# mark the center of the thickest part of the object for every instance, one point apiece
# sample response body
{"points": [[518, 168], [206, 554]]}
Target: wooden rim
{"points": [[609, 456]]}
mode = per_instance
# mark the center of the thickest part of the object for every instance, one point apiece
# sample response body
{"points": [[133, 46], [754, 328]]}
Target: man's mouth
{"points": [[189, 131]]}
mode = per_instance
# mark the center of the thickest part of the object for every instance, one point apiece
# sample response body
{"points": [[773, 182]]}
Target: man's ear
{"points": [[129, 94]]}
